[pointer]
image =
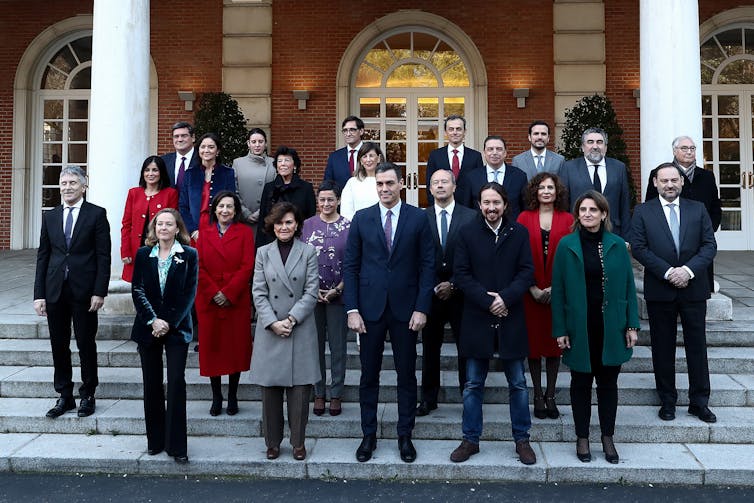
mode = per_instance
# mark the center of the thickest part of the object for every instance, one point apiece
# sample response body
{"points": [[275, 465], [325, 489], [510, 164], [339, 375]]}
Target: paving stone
{"points": [[725, 464], [11, 442]]}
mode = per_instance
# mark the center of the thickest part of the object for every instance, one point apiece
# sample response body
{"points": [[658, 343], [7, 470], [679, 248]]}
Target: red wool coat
{"points": [[140, 209], [539, 316], [225, 264]]}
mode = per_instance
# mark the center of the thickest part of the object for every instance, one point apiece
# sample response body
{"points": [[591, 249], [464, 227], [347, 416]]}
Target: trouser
{"points": [[331, 325], [607, 398], [272, 413]]}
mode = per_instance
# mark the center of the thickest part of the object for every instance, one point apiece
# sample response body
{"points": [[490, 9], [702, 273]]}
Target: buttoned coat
{"points": [[438, 159], [338, 169], [169, 159], [190, 199], [278, 291], [525, 162], [253, 172]]}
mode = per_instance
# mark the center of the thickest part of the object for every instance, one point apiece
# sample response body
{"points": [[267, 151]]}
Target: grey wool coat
{"points": [[281, 290]]}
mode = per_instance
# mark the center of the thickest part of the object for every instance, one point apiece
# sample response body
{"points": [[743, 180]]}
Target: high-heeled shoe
{"points": [[540, 410], [552, 409], [319, 405], [232, 408], [611, 455], [582, 450], [217, 406]]}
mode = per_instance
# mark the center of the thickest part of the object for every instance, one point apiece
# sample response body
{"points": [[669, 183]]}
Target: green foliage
{"points": [[595, 111], [219, 113]]}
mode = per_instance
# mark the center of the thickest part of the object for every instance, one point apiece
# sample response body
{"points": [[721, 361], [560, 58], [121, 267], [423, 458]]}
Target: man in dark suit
{"points": [[455, 156], [538, 159], [185, 156], [698, 184], [72, 276], [389, 270], [510, 177], [445, 219], [611, 180], [342, 163], [673, 239]]}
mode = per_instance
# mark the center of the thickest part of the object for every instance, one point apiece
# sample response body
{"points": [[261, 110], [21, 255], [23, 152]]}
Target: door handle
{"points": [[744, 180], [751, 179]]}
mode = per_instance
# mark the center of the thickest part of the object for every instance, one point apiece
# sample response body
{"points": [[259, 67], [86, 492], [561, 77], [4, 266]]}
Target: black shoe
{"points": [[86, 407], [406, 447], [181, 460], [540, 410], [367, 446], [608, 447], [62, 406], [667, 412], [217, 406], [582, 450], [154, 452], [703, 413], [232, 408], [424, 408], [196, 350], [552, 408]]}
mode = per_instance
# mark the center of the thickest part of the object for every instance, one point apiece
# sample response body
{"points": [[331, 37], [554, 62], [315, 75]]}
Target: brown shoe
{"points": [[273, 452], [525, 452], [319, 405], [464, 451], [335, 407], [299, 453]]}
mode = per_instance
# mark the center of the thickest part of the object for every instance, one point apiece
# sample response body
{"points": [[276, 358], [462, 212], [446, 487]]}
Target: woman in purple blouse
{"points": [[328, 233]]}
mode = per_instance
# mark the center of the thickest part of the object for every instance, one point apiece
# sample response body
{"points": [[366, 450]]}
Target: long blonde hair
{"points": [[182, 236]]}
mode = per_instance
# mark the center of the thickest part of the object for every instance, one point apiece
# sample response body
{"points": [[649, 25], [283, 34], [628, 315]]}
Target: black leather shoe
{"points": [[368, 445], [424, 408], [667, 413], [62, 406], [181, 460], [154, 452], [232, 408], [406, 447], [86, 407], [703, 413]]}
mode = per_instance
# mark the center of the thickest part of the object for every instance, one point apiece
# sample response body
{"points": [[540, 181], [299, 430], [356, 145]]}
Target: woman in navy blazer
{"points": [[201, 184], [163, 291]]}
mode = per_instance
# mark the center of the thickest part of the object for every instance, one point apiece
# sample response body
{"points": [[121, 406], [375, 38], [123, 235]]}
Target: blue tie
{"points": [[443, 228], [494, 173], [68, 231], [675, 228]]}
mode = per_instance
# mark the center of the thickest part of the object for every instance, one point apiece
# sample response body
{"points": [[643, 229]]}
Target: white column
{"points": [[671, 92], [119, 108]]}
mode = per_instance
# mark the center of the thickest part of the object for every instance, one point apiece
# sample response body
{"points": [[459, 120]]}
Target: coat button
{"points": [[159, 206], [143, 216], [275, 311], [294, 278], [275, 296], [290, 295]]}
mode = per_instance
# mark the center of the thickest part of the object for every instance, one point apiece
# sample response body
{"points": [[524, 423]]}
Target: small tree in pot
{"points": [[219, 113]]}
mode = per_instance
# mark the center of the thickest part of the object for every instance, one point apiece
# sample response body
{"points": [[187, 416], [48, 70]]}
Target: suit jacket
{"points": [[438, 159], [444, 259], [190, 200], [652, 245], [702, 189], [514, 184], [337, 167], [169, 159], [575, 177], [174, 306], [401, 279], [279, 290], [525, 162], [503, 265], [87, 260]]}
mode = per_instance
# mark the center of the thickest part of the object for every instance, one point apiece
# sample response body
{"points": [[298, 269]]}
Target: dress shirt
{"points": [[188, 155], [355, 155], [450, 154], [500, 175], [536, 157], [75, 213], [666, 210], [394, 220], [601, 171], [438, 215]]}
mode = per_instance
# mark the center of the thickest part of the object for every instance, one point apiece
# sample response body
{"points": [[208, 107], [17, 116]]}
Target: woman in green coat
{"points": [[594, 316]]}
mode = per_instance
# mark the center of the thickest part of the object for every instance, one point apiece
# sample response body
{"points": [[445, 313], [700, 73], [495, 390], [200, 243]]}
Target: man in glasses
{"points": [[342, 163], [698, 184]]}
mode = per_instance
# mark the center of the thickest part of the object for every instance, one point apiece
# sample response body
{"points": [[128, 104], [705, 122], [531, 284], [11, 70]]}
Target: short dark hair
{"points": [[160, 163], [663, 166], [452, 118], [497, 188], [182, 236], [256, 130], [283, 150], [276, 214], [219, 197], [329, 185], [601, 203], [359, 122], [539, 123], [494, 137], [384, 167], [561, 193], [181, 125]]}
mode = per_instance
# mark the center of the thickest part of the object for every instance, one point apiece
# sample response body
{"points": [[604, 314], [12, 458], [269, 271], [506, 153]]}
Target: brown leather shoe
{"points": [[525, 452], [319, 405], [464, 451], [299, 453], [335, 407], [273, 452]]}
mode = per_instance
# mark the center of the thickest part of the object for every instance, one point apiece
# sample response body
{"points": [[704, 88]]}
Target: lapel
{"points": [[297, 252], [684, 220], [659, 216], [277, 264], [444, 162], [80, 223], [584, 172], [548, 160], [221, 244], [402, 217], [376, 217], [505, 231], [432, 218], [55, 225], [529, 160]]}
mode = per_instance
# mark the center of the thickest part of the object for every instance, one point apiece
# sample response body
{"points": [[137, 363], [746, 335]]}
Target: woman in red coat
{"points": [[547, 220], [223, 301], [142, 203]]}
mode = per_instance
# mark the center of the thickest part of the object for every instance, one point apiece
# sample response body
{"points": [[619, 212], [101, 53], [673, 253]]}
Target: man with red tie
{"points": [[185, 155], [342, 163], [455, 156]]}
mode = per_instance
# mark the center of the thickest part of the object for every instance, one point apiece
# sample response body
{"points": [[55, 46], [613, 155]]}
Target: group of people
{"points": [[524, 261]]}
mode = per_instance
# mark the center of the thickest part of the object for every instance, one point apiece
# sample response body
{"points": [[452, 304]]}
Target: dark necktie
{"points": [[443, 228], [389, 229], [68, 230], [456, 164], [181, 172], [596, 179], [351, 164]]}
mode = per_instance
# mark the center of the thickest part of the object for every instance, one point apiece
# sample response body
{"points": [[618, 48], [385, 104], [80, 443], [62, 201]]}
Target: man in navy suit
{"points": [[510, 177], [342, 163], [611, 180], [185, 156], [72, 276], [538, 159], [445, 218], [389, 270], [672, 238], [455, 156]]}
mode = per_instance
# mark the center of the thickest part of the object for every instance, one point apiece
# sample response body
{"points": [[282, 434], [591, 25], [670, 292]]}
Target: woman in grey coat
{"points": [[285, 358], [253, 172]]}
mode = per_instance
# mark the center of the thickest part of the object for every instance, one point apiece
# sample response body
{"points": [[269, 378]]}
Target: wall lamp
{"points": [[637, 95], [302, 97], [521, 93], [188, 98]]}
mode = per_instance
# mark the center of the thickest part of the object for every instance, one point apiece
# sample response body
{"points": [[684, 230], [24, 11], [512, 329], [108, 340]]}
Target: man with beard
{"points": [[538, 159], [603, 174], [672, 238], [494, 269]]}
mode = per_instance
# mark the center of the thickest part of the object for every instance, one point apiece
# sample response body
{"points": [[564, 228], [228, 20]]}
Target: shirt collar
{"points": [[449, 208], [77, 205], [535, 154], [356, 148], [665, 202], [459, 148], [590, 163], [395, 209], [188, 155], [496, 230], [176, 248]]}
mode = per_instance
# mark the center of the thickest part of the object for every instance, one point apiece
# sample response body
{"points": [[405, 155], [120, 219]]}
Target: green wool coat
{"points": [[568, 301]]}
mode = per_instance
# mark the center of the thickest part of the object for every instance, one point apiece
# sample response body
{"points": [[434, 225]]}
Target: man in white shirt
{"points": [[185, 156], [342, 163], [538, 159]]}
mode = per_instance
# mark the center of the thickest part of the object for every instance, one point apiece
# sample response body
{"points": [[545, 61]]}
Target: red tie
{"points": [[350, 160], [456, 163]]}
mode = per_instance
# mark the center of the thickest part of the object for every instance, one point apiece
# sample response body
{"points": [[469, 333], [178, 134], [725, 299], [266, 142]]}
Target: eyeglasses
{"points": [[349, 130], [687, 149]]}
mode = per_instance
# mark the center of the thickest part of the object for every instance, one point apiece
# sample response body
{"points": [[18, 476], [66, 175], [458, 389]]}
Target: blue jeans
{"points": [[473, 398]]}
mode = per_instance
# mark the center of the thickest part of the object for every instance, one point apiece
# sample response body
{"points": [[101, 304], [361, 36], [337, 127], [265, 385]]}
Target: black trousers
{"points": [[403, 341], [663, 329], [607, 398], [442, 312], [166, 428], [59, 317]]}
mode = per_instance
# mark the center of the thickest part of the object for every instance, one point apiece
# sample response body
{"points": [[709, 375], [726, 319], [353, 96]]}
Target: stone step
{"points": [[333, 459], [734, 390], [638, 424], [117, 353]]}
